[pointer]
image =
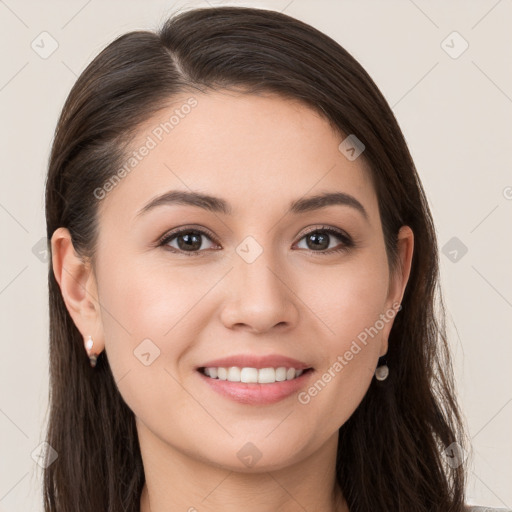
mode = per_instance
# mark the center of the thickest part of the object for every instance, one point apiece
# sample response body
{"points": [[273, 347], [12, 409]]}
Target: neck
{"points": [[337, 504], [176, 481]]}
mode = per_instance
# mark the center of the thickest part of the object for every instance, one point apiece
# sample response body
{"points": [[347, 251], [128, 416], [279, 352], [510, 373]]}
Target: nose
{"points": [[261, 297]]}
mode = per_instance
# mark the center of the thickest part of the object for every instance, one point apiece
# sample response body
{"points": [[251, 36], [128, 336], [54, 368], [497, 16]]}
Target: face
{"points": [[252, 278]]}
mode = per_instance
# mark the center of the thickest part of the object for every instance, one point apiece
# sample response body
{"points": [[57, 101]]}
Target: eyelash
{"points": [[347, 244]]}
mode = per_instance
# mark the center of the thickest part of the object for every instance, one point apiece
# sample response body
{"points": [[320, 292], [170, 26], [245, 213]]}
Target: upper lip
{"points": [[254, 361]]}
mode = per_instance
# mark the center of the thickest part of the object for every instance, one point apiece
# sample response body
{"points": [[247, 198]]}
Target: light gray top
{"points": [[487, 509]]}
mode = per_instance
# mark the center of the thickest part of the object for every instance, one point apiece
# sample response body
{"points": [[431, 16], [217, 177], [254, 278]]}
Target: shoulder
{"points": [[474, 508]]}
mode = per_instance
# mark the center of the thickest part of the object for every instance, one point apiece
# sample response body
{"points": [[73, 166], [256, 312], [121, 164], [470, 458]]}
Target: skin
{"points": [[258, 153]]}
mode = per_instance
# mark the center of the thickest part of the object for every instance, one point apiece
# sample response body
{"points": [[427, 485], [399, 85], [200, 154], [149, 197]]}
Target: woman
{"points": [[203, 357]]}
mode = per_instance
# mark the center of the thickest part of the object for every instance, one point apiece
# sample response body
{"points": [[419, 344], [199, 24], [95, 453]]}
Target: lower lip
{"points": [[257, 394]]}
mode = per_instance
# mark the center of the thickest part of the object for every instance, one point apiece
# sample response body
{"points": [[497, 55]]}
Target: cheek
{"points": [[147, 330], [349, 303], [138, 308], [348, 298], [153, 313], [149, 295]]}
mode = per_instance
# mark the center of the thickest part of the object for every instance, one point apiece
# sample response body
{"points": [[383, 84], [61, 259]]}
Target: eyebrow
{"points": [[218, 205]]}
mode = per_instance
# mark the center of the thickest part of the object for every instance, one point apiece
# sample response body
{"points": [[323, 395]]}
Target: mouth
{"points": [[249, 375], [263, 386]]}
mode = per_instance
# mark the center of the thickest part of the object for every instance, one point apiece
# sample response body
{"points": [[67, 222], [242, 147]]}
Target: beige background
{"points": [[456, 114]]}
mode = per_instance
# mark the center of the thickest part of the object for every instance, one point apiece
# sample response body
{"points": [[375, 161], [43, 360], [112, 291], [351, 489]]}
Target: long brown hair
{"points": [[391, 450]]}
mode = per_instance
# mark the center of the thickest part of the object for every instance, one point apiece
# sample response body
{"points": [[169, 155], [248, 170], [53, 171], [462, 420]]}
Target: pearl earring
{"points": [[92, 357], [382, 370]]}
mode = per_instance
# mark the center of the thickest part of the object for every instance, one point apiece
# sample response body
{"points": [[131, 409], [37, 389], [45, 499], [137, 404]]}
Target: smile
{"points": [[252, 375], [254, 392]]}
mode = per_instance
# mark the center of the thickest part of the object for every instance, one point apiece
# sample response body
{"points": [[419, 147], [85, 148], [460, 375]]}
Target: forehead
{"points": [[259, 152]]}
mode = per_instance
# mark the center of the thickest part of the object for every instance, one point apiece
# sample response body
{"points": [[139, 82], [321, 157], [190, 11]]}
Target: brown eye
{"points": [[189, 241], [320, 240]]}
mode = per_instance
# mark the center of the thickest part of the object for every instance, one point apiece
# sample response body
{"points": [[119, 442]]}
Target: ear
{"points": [[78, 287], [398, 281]]}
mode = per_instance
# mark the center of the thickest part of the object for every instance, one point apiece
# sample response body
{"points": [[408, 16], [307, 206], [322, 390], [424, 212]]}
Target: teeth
{"points": [[249, 375], [253, 375], [234, 374]]}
